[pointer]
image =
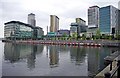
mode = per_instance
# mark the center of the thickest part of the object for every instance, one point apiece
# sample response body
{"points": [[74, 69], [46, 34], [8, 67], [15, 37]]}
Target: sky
{"points": [[66, 10]]}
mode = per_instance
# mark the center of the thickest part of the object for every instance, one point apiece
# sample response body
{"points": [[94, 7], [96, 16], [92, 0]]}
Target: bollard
{"points": [[107, 75]]}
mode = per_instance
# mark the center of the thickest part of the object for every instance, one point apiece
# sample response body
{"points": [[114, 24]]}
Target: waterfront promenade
{"points": [[97, 43]]}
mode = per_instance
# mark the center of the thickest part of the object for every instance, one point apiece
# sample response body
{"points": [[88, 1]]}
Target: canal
{"points": [[52, 60]]}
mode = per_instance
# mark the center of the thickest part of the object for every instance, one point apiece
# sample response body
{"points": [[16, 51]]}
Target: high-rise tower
{"points": [[93, 16], [54, 23], [31, 19]]}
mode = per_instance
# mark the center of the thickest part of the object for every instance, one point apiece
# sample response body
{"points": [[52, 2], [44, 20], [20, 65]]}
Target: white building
{"points": [[93, 16]]}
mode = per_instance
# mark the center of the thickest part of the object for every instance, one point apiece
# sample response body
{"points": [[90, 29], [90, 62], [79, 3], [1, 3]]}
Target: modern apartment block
{"points": [[93, 16], [54, 23], [108, 18], [31, 19]]}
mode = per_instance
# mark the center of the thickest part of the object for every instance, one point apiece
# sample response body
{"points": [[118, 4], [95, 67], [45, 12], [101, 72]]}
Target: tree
{"points": [[84, 36], [118, 35], [98, 34], [74, 35], [64, 36]]}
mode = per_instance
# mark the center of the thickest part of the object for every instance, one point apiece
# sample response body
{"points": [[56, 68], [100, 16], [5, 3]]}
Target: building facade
{"points": [[92, 31], [38, 33], [31, 19], [73, 28], [54, 23], [17, 30], [79, 27], [93, 16], [108, 20]]}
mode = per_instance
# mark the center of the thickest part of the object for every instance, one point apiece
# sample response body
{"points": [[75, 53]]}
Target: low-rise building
{"points": [[18, 30], [91, 31], [38, 33], [63, 32], [73, 29]]}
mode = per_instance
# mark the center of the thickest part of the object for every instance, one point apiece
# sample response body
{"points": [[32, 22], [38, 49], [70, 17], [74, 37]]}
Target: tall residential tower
{"points": [[31, 19], [54, 23], [93, 16]]}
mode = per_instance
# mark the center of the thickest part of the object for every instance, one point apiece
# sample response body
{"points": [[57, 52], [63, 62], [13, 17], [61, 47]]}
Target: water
{"points": [[52, 60]]}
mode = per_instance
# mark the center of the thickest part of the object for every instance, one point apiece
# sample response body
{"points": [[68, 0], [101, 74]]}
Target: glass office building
{"points": [[73, 28], [38, 33], [108, 20], [17, 30], [77, 28]]}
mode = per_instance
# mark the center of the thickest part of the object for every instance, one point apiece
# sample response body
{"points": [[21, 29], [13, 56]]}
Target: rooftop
{"points": [[19, 23], [31, 14], [94, 6]]}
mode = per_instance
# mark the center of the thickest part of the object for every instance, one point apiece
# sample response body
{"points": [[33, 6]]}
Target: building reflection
{"points": [[11, 53], [16, 52], [93, 58], [105, 52], [54, 56], [77, 55], [31, 58], [93, 61], [64, 48]]}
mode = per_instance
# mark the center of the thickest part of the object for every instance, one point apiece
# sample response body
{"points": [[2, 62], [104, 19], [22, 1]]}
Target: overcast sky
{"points": [[66, 10]]}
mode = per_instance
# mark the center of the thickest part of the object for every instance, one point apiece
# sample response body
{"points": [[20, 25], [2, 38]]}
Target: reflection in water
{"points": [[31, 58], [96, 59], [77, 55], [63, 59], [93, 61], [54, 56], [11, 52], [15, 52]]}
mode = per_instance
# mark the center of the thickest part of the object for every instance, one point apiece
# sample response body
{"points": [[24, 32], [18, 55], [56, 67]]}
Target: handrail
{"points": [[111, 73], [114, 71]]}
